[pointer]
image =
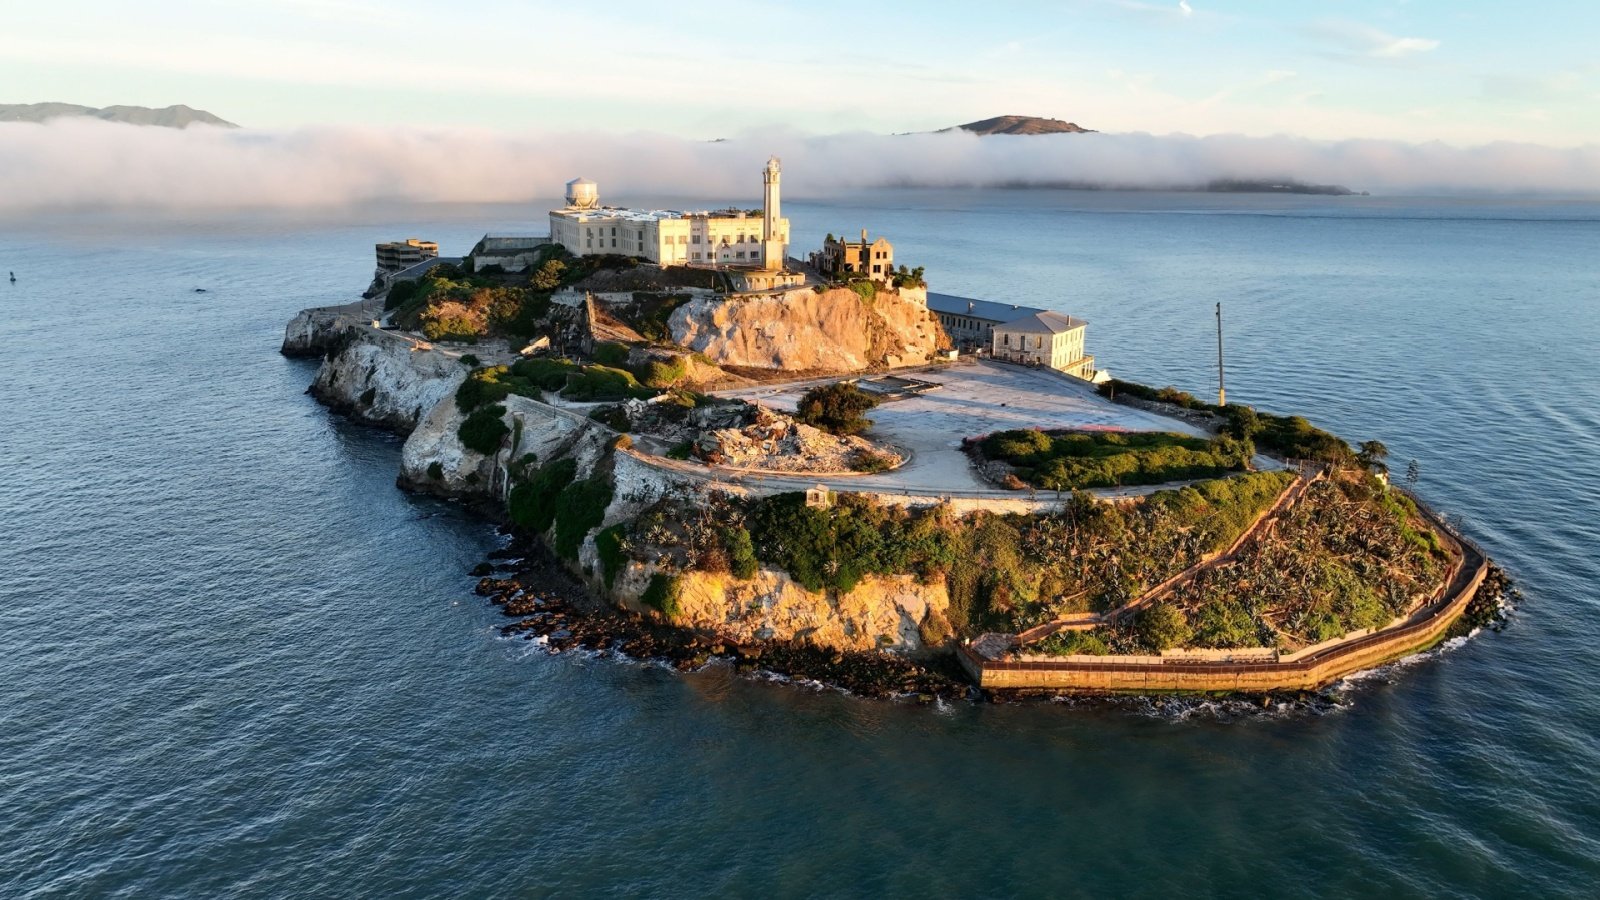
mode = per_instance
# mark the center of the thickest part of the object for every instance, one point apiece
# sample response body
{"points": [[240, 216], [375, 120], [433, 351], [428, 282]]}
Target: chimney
{"points": [[863, 235]]}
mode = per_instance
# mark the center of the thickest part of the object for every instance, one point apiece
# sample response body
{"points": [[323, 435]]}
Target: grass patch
{"points": [[1072, 460]]}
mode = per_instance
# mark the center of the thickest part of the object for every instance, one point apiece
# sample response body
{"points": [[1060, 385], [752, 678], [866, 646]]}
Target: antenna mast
{"points": [[1222, 390]]}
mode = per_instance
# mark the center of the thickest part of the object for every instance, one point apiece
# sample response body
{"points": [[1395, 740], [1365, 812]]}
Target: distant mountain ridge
{"points": [[178, 116], [1021, 125]]}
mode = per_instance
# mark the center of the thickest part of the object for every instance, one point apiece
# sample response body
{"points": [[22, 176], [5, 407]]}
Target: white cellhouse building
{"points": [[668, 237]]}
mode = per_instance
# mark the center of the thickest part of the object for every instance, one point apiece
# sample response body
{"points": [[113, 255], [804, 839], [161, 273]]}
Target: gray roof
{"points": [[978, 309], [1043, 323]]}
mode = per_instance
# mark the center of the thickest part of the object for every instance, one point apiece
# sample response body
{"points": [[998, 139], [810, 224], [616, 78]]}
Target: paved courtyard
{"points": [[973, 399]]}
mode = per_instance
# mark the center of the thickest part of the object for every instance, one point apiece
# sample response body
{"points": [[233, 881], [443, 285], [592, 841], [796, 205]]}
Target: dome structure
{"points": [[583, 194]]}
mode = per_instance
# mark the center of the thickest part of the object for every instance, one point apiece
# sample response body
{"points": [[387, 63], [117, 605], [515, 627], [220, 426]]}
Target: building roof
{"points": [[1042, 323], [978, 309]]}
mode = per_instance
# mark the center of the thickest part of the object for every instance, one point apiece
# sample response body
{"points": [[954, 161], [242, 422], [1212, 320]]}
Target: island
{"points": [[705, 447]]}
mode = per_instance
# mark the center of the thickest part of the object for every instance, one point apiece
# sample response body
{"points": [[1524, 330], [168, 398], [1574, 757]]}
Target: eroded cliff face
{"points": [[888, 613], [313, 332], [386, 379], [835, 330]]}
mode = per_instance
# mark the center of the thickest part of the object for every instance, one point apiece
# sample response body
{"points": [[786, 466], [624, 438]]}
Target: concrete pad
{"points": [[974, 399]]}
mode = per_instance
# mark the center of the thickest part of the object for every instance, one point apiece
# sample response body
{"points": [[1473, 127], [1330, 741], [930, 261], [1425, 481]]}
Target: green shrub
{"points": [[611, 545], [1072, 643], [484, 429], [603, 383], [1074, 460], [663, 593], [532, 503], [871, 463], [400, 293], [741, 551], [865, 289], [835, 547], [544, 373], [482, 386], [471, 360], [580, 508], [662, 373], [1161, 626], [681, 450], [611, 353], [836, 408], [1223, 624]]}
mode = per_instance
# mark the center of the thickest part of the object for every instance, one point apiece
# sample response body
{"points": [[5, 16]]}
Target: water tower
{"points": [[583, 194]]}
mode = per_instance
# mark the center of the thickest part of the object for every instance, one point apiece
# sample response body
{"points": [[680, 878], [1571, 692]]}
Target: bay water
{"points": [[235, 660]]}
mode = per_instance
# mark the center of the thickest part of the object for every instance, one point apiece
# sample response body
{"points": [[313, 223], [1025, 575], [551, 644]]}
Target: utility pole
{"points": [[1222, 390]]}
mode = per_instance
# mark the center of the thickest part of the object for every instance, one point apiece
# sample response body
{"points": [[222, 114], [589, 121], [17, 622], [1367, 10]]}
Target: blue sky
{"points": [[1462, 72]]}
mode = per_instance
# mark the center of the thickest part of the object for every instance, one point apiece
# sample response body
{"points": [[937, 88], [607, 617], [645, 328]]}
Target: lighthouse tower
{"points": [[773, 248]]}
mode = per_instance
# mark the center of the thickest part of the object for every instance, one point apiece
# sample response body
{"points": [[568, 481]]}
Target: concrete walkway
{"points": [[973, 399]]}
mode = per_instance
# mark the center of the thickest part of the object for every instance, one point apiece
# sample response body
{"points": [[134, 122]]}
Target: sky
{"points": [[1465, 73]]}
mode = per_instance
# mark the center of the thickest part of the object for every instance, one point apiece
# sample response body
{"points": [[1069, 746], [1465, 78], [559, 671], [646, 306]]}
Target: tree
{"points": [[836, 408], [548, 277], [1372, 454], [1243, 422]]}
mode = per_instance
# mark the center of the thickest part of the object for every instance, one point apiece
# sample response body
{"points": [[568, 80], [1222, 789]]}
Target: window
{"points": [[697, 254], [740, 254], [695, 240], [613, 240]]}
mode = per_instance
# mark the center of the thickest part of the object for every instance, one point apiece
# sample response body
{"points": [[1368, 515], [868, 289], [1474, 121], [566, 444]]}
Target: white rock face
{"points": [[313, 332], [385, 379], [801, 329]]}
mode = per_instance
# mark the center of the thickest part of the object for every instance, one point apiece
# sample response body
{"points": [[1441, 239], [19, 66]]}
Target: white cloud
{"points": [[1185, 8], [92, 164], [1366, 41]]}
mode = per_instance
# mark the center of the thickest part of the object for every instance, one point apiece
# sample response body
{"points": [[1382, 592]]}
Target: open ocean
{"points": [[236, 661]]}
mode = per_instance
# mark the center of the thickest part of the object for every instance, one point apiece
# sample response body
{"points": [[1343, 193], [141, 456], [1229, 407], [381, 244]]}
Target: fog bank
{"points": [[88, 164]]}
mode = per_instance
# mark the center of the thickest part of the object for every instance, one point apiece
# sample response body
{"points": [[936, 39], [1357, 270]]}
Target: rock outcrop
{"points": [[386, 379], [833, 330], [314, 332]]}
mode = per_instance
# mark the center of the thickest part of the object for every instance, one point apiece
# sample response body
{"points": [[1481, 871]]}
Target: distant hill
{"points": [[1021, 125], [169, 117]]}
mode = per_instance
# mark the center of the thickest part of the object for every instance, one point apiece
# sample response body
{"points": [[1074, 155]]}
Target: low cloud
{"points": [[71, 164]]}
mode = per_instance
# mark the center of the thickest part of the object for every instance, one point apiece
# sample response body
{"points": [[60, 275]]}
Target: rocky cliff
{"points": [[835, 330], [392, 381], [314, 332], [386, 379]]}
